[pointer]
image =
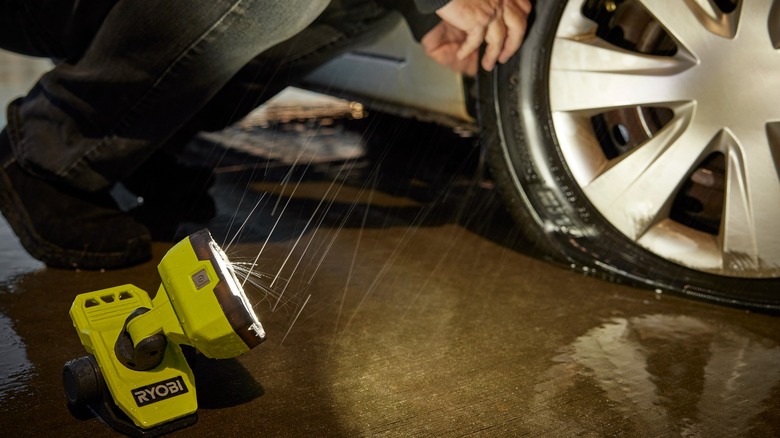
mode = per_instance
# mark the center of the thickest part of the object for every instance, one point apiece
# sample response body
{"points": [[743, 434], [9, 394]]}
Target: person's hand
{"points": [[442, 44], [499, 23]]}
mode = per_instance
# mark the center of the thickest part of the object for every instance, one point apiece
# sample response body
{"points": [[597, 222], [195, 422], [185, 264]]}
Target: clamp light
{"points": [[136, 377]]}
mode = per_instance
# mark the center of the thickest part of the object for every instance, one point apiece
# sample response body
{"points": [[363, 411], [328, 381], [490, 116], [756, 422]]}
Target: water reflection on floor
{"points": [[15, 368], [14, 260], [665, 375]]}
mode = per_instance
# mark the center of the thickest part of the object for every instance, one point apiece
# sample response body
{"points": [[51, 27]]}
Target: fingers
{"points": [[500, 24], [515, 17], [442, 44], [472, 42], [472, 17], [434, 38], [468, 66], [495, 38]]}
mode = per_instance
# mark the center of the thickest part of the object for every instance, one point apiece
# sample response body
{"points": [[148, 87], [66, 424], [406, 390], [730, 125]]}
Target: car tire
{"points": [[540, 179]]}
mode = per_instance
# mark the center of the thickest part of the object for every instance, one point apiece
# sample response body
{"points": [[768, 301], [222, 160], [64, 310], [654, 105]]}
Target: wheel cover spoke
{"points": [[591, 76], [637, 189], [751, 204]]}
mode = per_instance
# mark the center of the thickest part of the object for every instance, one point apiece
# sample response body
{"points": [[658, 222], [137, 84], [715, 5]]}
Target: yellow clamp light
{"points": [[136, 377]]}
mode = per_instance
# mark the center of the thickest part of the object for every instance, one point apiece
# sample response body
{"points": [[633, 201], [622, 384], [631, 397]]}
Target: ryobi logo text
{"points": [[159, 391]]}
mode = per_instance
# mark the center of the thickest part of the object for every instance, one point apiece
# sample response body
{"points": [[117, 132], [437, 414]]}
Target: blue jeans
{"points": [[132, 75]]}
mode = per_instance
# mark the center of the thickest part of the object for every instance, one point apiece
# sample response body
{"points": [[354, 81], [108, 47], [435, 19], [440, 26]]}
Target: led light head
{"points": [[208, 299]]}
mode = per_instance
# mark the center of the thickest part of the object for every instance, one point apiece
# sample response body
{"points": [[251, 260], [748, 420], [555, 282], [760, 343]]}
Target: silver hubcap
{"points": [[721, 89]]}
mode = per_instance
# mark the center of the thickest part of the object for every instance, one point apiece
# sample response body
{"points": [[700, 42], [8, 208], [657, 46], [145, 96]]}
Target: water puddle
{"points": [[15, 369], [663, 375], [13, 258]]}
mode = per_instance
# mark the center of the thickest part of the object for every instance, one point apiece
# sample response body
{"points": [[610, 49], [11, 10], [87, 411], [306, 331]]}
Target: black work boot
{"points": [[66, 228]]}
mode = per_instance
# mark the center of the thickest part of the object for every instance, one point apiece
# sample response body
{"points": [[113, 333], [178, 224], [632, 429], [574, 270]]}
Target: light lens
{"points": [[229, 274]]}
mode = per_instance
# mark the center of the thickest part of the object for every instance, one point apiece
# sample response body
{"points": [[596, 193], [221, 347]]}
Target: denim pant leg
{"points": [[343, 25], [151, 66], [56, 29]]}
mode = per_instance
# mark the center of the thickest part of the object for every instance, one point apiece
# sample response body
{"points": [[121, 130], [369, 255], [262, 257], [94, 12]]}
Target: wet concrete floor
{"points": [[412, 308]]}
